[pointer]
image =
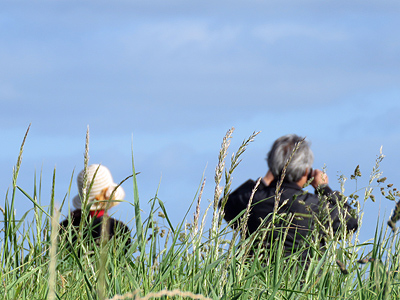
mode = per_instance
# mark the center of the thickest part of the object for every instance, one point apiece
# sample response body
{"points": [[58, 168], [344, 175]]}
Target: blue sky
{"points": [[170, 78]]}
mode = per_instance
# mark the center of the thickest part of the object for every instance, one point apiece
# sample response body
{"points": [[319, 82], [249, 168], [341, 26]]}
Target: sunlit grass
{"points": [[191, 261]]}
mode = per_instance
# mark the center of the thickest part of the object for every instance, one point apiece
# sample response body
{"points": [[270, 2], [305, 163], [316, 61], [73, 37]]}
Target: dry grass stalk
{"points": [[53, 254], [376, 172], [229, 253], [235, 161], [278, 191], [19, 160], [197, 213], [246, 215], [85, 165], [104, 239], [218, 175], [159, 294]]}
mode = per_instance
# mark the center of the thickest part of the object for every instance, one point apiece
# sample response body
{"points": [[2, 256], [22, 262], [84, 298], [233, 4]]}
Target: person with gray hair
{"points": [[281, 191], [281, 152]]}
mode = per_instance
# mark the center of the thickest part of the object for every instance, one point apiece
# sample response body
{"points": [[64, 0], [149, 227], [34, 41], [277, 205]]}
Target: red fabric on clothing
{"points": [[96, 213]]}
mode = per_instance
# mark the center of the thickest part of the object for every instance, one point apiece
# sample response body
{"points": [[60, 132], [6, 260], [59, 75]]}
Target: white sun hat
{"points": [[102, 181]]}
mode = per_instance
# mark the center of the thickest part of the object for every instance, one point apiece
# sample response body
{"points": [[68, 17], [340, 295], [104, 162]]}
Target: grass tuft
{"points": [[192, 260]]}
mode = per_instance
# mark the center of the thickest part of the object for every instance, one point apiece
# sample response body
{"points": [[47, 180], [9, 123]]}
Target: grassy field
{"points": [[190, 261]]}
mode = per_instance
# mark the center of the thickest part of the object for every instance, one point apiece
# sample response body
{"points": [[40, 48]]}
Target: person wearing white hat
{"points": [[100, 189], [101, 193]]}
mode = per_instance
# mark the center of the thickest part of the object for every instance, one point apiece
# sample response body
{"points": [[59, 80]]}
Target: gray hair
{"points": [[282, 150]]}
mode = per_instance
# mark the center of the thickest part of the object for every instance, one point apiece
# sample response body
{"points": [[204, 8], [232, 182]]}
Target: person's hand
{"points": [[320, 178]]}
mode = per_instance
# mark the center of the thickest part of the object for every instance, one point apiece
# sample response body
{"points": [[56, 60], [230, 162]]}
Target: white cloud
{"points": [[273, 32], [183, 67], [178, 35]]}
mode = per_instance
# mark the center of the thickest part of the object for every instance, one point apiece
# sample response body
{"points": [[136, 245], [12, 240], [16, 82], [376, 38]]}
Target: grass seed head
{"points": [[383, 179], [342, 267]]}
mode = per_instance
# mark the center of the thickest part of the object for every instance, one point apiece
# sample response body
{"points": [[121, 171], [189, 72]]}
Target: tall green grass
{"points": [[191, 261]]}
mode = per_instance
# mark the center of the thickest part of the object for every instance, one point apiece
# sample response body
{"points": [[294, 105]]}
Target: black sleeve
{"points": [[237, 202], [335, 197], [121, 232], [73, 221]]}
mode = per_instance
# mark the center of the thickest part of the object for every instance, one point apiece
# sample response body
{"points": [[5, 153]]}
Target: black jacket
{"points": [[92, 229], [304, 206]]}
